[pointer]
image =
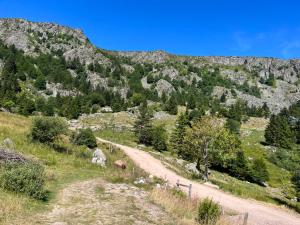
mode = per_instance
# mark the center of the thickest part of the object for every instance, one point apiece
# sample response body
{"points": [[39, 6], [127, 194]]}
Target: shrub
{"points": [[233, 125], [209, 212], [82, 152], [27, 178], [47, 129], [85, 137]]}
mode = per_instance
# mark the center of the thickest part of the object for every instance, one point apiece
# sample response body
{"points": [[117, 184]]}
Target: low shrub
{"points": [[27, 178], [47, 129], [82, 152], [85, 137], [209, 212]]}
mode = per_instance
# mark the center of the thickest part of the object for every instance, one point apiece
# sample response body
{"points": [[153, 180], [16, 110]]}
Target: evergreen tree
{"points": [[223, 98], [171, 105], [278, 132], [239, 166], [159, 138], [191, 103], [178, 135], [143, 127], [9, 85], [259, 172], [40, 83]]}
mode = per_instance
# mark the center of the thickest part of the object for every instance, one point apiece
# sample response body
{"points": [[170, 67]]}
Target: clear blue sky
{"points": [[190, 27]]}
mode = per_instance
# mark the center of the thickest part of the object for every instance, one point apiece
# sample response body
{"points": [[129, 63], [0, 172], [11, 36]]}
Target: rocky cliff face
{"points": [[167, 69]]}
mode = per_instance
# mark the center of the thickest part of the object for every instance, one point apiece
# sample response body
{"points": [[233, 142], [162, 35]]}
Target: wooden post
{"points": [[245, 218], [190, 191]]}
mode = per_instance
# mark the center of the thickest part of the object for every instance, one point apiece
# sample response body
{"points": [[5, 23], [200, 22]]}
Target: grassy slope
{"points": [[61, 169]]}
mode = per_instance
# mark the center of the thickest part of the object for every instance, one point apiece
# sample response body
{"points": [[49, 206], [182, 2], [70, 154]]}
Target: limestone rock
{"points": [[191, 167], [99, 158], [163, 86]]}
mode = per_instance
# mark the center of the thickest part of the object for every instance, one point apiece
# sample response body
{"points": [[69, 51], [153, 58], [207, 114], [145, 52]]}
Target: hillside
{"points": [[54, 60], [228, 125]]}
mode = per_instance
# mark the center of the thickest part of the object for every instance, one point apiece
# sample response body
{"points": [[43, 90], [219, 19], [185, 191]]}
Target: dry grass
{"points": [[174, 203], [180, 206], [9, 208], [255, 123]]}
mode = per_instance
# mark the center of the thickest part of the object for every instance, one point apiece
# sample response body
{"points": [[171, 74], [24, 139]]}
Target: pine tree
{"points": [[178, 135], [159, 138], [40, 83], [171, 105], [278, 132], [143, 127], [9, 85]]}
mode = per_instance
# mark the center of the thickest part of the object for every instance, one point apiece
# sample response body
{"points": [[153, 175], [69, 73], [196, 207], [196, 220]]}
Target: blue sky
{"points": [[190, 27]]}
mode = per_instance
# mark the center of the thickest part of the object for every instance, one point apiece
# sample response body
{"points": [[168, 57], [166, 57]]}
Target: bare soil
{"points": [[100, 203]]}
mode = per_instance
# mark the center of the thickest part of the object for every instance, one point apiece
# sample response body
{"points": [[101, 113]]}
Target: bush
{"points": [[47, 129], [82, 152], [85, 137], [27, 178], [209, 212], [233, 125]]}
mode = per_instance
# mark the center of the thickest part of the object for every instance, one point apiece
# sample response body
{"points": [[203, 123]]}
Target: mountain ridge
{"points": [[256, 80]]}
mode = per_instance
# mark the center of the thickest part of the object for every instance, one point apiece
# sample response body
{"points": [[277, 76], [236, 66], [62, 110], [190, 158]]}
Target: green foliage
{"points": [[40, 83], [209, 212], [47, 129], [178, 135], [233, 125], [259, 172], [171, 105], [27, 178], [137, 99], [251, 90], [285, 158], [159, 138], [143, 126], [208, 142], [243, 169], [26, 103], [85, 137], [278, 132], [296, 181], [271, 80], [239, 166]]}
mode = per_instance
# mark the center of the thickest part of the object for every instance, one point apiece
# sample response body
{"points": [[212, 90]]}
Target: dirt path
{"points": [[100, 203], [259, 213]]}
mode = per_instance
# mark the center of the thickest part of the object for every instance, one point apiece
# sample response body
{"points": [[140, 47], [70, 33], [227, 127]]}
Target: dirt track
{"points": [[259, 213]]}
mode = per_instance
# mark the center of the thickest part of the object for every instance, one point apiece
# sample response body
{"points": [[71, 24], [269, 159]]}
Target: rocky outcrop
{"points": [[149, 57], [163, 86], [34, 38]]}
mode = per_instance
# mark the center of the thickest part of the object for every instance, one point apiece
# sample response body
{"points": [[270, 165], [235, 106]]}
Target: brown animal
{"points": [[120, 164]]}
